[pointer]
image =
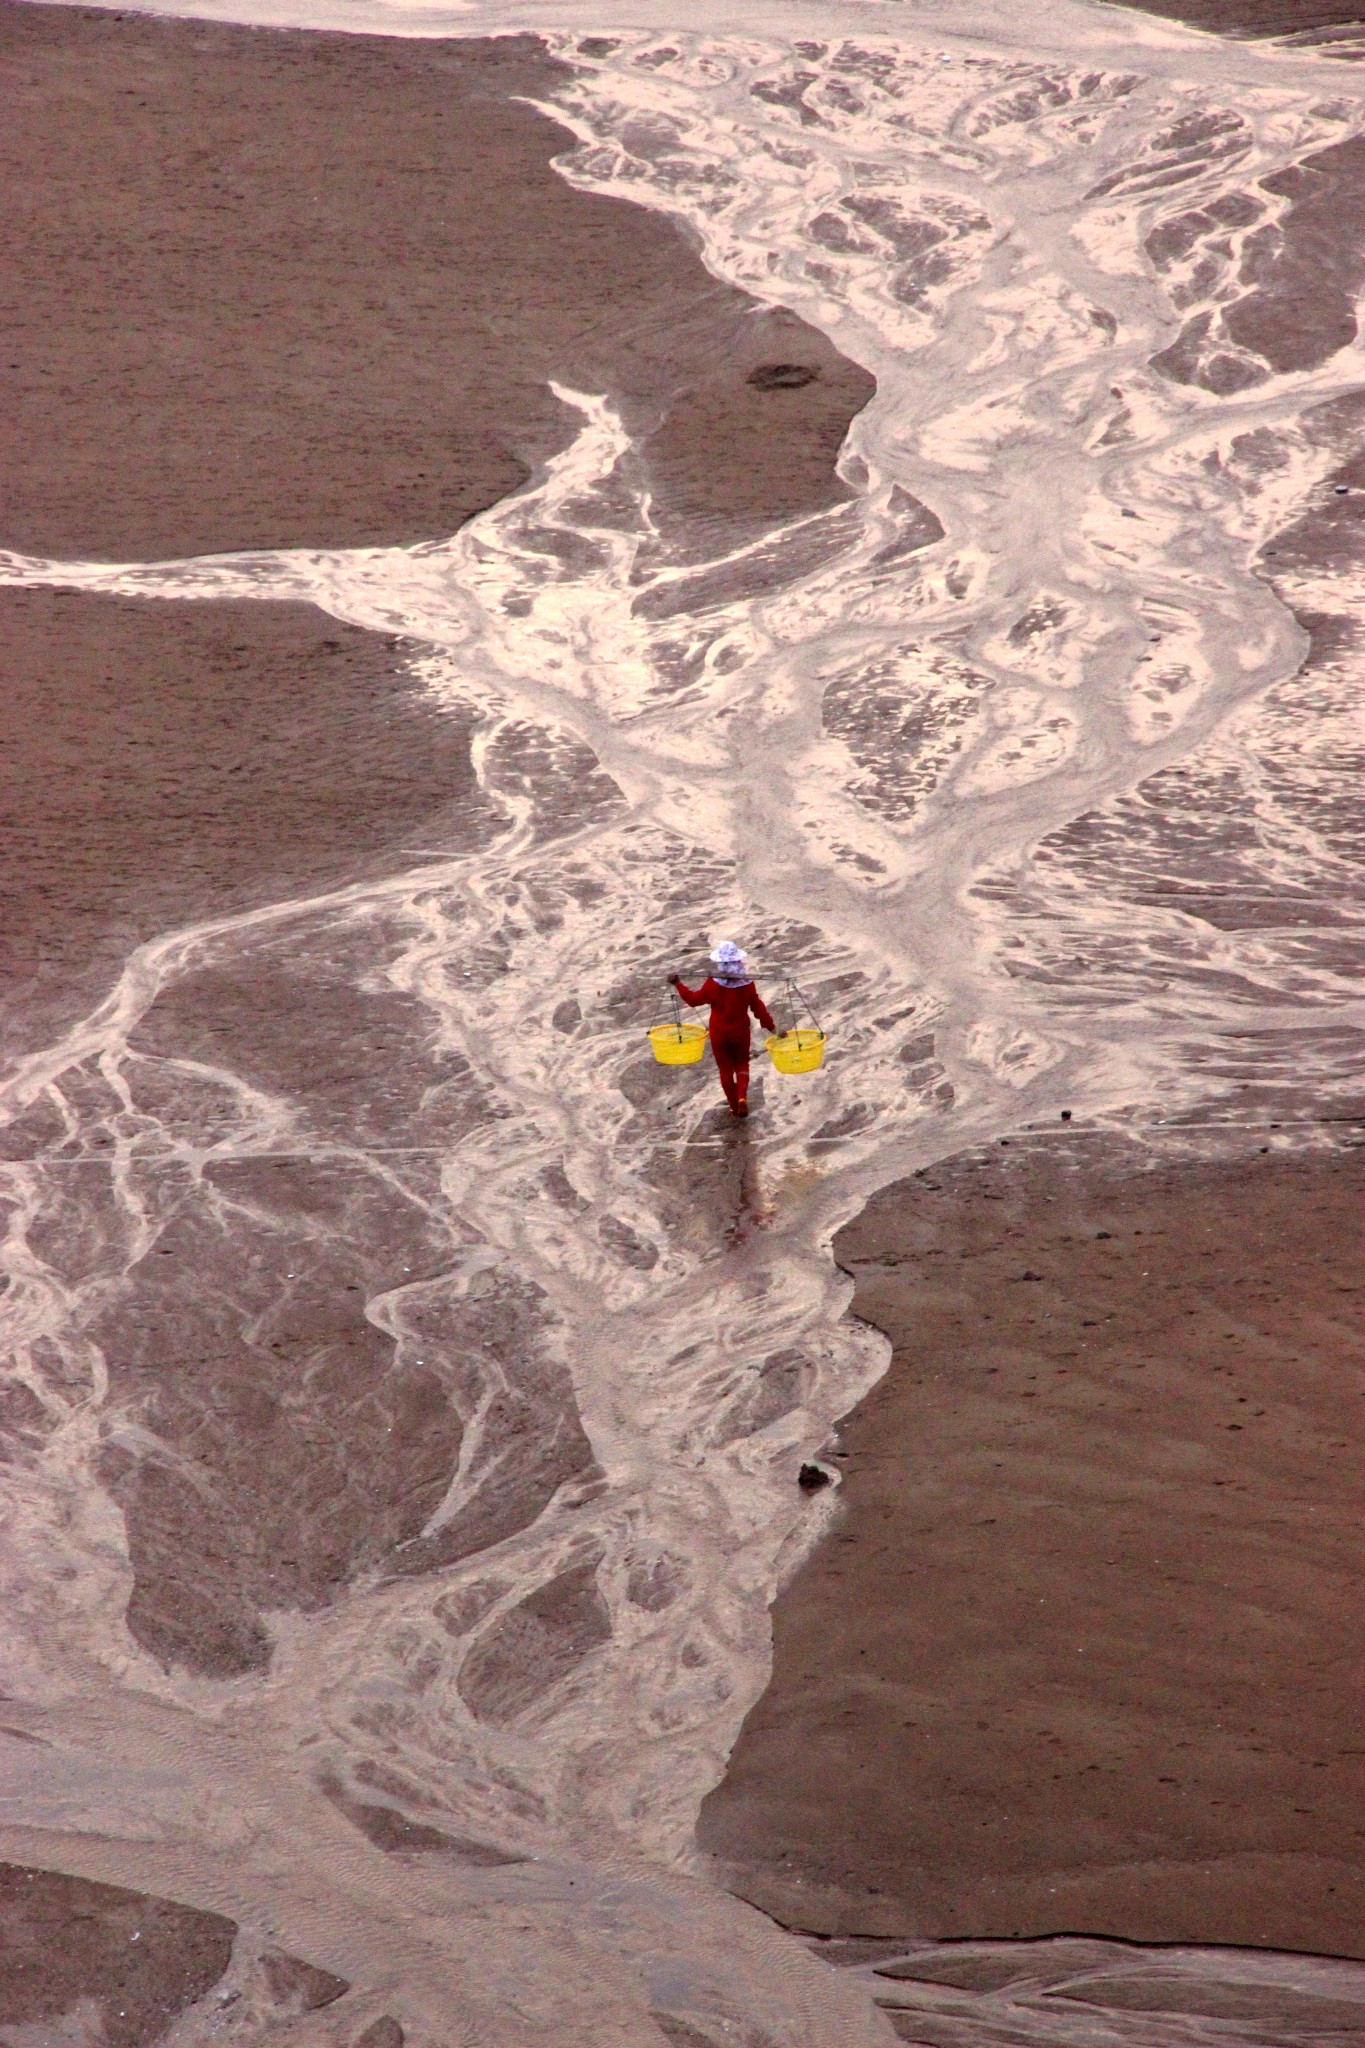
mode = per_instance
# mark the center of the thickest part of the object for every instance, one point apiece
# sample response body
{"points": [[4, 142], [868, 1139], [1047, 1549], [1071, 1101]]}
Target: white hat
{"points": [[731, 963]]}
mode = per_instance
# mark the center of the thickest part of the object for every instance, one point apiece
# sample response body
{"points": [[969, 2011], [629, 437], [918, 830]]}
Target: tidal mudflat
{"points": [[494, 504]]}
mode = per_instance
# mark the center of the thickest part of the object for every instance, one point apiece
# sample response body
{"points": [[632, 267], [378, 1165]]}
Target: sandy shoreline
{"points": [[1078, 1657], [190, 372], [265, 293], [282, 290]]}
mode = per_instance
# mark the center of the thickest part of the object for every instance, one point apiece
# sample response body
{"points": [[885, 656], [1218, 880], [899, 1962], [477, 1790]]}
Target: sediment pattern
{"points": [[495, 1351]]}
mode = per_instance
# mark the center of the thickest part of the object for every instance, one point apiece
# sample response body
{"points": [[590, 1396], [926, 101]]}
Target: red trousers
{"points": [[732, 1064], [731, 1008]]}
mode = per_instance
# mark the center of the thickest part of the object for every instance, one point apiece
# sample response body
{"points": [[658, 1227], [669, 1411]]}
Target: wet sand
{"points": [[1086, 1664], [272, 289], [85, 1960], [166, 762], [1256, 17], [1301, 275], [330, 1366], [190, 370], [290, 290], [68, 1944], [1081, 1653]]}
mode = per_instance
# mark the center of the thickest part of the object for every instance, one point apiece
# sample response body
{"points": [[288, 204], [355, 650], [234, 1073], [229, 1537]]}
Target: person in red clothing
{"points": [[731, 995]]}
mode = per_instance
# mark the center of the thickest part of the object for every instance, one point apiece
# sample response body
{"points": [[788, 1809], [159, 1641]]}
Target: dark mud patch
{"points": [[1300, 275], [73, 1952], [1080, 1652], [1249, 18], [536, 1645], [273, 290], [169, 762]]}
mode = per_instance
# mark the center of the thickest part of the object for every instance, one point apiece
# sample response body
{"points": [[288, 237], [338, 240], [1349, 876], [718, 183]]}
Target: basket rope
{"points": [[795, 995]]}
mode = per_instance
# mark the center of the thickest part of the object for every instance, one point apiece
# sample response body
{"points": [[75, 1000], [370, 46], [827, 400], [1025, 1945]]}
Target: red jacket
{"points": [[730, 1009]]}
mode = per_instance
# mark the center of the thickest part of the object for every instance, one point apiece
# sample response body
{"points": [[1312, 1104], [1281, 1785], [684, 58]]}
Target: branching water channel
{"points": [[844, 746]]}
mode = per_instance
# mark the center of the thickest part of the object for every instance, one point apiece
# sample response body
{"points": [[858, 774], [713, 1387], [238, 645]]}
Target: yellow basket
{"points": [[678, 1045], [797, 1052]]}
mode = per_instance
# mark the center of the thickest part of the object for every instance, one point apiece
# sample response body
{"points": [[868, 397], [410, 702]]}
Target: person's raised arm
{"points": [[691, 996], [761, 1010]]}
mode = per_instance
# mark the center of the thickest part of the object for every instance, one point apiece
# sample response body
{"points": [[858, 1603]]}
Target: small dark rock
{"points": [[811, 1478], [1066, 1116], [1341, 489], [782, 376], [1104, 1233]]}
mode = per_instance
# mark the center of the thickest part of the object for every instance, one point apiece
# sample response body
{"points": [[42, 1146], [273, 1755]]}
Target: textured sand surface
{"points": [[191, 369], [1257, 17], [1077, 1991], [124, 1961], [1079, 1653], [232, 326], [80, 1960], [298, 291], [171, 761]]}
